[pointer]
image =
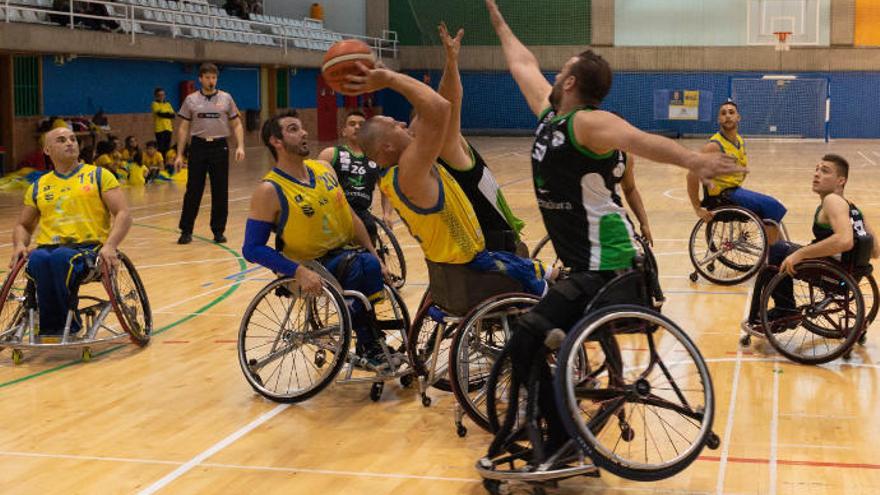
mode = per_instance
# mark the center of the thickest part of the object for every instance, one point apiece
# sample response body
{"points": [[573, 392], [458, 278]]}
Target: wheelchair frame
{"points": [[346, 358], [24, 335]]}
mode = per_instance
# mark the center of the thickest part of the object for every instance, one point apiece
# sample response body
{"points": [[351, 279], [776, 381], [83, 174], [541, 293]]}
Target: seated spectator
{"points": [[172, 155], [131, 153], [105, 150], [237, 8], [152, 159]]}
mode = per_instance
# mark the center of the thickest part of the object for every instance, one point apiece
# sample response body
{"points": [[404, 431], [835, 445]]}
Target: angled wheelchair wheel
{"points": [[392, 320], [129, 300], [827, 318], [477, 345], [730, 248], [428, 345], [871, 295], [645, 413], [16, 296], [291, 347], [392, 255], [544, 252]]}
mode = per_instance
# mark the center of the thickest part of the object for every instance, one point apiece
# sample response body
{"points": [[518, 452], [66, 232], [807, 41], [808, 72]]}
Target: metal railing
{"points": [[202, 21]]}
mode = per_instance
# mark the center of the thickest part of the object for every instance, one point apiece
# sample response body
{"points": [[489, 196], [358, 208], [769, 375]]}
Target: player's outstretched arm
{"points": [[418, 159], [602, 132], [454, 150], [634, 199], [523, 65], [326, 154], [21, 233]]}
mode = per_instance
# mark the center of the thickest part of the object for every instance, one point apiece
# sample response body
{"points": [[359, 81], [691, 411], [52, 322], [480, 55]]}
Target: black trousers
{"points": [[207, 159], [163, 141]]}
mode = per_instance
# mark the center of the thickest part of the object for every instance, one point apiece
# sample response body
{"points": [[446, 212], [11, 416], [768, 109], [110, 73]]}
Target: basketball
{"points": [[340, 61]]}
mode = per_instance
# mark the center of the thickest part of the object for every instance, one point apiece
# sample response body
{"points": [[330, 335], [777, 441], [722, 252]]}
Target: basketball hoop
{"points": [[782, 40]]}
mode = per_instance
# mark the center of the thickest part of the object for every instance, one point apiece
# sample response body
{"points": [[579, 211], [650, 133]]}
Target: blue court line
{"points": [[239, 274]]}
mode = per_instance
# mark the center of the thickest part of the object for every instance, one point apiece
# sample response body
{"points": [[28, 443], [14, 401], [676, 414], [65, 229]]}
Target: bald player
{"points": [[70, 208]]}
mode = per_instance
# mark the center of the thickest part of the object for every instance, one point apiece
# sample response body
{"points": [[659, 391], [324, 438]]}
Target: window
{"points": [[26, 85]]}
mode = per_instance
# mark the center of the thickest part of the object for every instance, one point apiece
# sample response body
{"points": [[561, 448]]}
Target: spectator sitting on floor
{"points": [[152, 159], [105, 158], [131, 153]]}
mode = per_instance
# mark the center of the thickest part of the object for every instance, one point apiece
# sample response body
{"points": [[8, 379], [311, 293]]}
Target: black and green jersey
{"points": [[577, 196], [358, 176], [481, 188], [822, 231]]}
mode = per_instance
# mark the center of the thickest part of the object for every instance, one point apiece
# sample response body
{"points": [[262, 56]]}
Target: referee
{"points": [[210, 113]]}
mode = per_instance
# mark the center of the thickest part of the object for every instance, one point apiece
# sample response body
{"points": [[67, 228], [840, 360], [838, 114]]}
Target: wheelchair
{"points": [[632, 391], [118, 310], [462, 323], [290, 347], [834, 304], [544, 251], [732, 246], [389, 251]]}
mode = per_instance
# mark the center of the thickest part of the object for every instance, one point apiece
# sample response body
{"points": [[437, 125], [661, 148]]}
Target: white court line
{"points": [[731, 408], [217, 447], [356, 474], [668, 194], [87, 458], [215, 289], [774, 429], [209, 260], [872, 162], [171, 212]]}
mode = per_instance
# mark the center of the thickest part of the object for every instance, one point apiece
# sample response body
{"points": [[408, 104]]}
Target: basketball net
{"points": [[782, 40]]}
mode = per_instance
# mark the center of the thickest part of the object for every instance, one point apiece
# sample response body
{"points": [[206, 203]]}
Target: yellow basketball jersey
{"points": [[449, 232], [736, 150], [71, 208], [315, 217]]}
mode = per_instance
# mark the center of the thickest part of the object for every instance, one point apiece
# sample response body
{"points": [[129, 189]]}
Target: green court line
{"points": [[242, 265]]}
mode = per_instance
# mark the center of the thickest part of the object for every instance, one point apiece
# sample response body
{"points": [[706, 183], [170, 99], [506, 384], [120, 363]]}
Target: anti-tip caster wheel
{"points": [[406, 381], [710, 268], [86, 354], [745, 340], [461, 430], [627, 434], [426, 401], [693, 276], [320, 358], [376, 391], [17, 356], [863, 339], [492, 486], [712, 441]]}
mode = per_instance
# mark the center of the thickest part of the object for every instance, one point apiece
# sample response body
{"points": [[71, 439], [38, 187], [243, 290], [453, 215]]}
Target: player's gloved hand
{"points": [[309, 281]]}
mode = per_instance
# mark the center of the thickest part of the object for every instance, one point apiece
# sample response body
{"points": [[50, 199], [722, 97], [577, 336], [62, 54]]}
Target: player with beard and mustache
{"points": [[575, 158], [727, 187], [301, 201]]}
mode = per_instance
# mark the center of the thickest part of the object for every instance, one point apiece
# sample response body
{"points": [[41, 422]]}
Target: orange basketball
{"points": [[340, 60]]}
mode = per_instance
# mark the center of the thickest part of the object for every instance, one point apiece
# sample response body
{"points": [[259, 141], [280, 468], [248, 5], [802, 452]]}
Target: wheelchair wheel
{"points": [[544, 252], [730, 248], [871, 295], [392, 319], [389, 250], [477, 345], [828, 315], [291, 347], [129, 300], [646, 412], [421, 344], [14, 296]]}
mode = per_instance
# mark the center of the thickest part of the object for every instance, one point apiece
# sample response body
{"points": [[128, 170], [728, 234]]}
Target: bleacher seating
{"points": [[192, 19]]}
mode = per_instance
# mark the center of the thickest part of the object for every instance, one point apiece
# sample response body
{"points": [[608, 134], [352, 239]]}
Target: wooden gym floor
{"points": [[178, 416]]}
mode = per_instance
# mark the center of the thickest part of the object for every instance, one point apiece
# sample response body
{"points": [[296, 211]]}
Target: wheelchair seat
{"points": [[457, 288], [858, 259]]}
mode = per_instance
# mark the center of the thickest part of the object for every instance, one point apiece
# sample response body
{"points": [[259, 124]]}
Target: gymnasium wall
{"points": [[715, 22], [548, 22], [492, 101], [867, 23]]}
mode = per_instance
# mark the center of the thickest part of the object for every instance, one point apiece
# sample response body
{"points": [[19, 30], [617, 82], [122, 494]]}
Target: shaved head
{"points": [[61, 146]]}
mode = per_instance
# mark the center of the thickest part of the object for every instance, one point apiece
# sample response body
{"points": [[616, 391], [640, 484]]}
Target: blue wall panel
{"points": [[84, 85], [304, 88]]}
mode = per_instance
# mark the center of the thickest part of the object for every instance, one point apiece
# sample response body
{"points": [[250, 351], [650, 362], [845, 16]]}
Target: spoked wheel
{"points": [[645, 413], [545, 252], [871, 295], [129, 300], [425, 336], [476, 346], [730, 248], [389, 250], [14, 296], [291, 347], [827, 318], [392, 319], [519, 455]]}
